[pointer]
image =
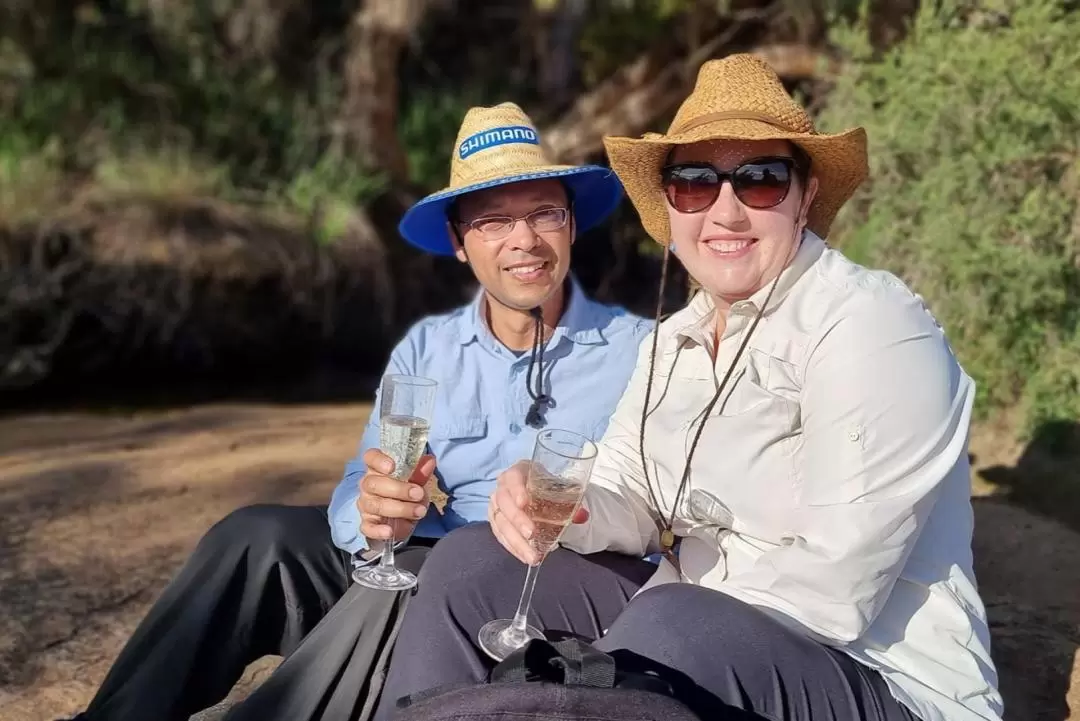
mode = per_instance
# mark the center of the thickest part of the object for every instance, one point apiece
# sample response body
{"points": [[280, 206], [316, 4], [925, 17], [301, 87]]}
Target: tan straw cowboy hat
{"points": [[739, 98]]}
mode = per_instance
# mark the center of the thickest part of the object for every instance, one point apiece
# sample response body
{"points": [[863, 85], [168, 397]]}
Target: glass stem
{"points": [[388, 551], [387, 560], [516, 631]]}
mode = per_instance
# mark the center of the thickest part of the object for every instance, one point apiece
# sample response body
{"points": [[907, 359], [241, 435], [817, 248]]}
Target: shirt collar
{"points": [[579, 322], [699, 325]]}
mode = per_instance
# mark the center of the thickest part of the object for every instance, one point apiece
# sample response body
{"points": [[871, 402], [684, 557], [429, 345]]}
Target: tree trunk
{"points": [[556, 56], [260, 30], [627, 103], [643, 93], [890, 21], [367, 127]]}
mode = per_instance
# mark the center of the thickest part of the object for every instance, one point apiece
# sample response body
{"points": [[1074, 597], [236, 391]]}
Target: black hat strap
{"points": [[540, 400]]}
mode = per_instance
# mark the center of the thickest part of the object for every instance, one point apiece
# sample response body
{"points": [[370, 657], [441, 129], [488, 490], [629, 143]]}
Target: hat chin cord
{"points": [[534, 418]]}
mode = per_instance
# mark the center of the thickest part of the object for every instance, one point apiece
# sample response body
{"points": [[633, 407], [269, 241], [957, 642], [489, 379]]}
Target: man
{"points": [[531, 351]]}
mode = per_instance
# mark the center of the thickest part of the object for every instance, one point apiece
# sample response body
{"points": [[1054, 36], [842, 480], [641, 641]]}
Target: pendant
{"points": [[667, 540]]}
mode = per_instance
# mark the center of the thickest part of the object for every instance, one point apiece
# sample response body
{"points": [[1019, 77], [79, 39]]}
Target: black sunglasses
{"points": [[758, 183]]}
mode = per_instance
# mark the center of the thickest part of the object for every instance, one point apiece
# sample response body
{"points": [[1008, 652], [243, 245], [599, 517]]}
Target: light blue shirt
{"points": [[478, 425]]}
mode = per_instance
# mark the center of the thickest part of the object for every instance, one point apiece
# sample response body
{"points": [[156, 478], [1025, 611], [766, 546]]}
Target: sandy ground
{"points": [[97, 512]]}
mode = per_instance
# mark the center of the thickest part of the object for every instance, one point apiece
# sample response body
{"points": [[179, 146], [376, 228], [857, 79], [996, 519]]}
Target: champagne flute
{"points": [[558, 475], [404, 420]]}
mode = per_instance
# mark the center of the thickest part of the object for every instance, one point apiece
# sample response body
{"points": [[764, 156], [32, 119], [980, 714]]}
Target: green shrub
{"points": [[975, 175]]}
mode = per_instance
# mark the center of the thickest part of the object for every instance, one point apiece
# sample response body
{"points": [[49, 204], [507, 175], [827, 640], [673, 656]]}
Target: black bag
{"points": [[548, 681]]}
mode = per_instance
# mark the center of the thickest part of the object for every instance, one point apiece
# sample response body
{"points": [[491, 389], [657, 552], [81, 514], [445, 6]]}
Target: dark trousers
{"points": [[261, 582], [726, 658]]}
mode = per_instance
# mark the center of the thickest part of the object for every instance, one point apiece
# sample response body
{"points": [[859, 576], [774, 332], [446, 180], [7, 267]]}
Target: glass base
{"points": [[384, 578], [499, 639]]}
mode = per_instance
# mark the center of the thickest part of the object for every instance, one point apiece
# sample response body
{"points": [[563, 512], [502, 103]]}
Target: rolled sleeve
{"points": [[886, 411]]}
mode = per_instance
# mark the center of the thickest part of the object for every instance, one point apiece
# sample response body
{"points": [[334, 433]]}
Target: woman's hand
{"points": [[508, 516]]}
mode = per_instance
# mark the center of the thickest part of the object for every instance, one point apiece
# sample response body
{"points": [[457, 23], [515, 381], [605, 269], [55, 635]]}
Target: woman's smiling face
{"points": [[730, 247]]}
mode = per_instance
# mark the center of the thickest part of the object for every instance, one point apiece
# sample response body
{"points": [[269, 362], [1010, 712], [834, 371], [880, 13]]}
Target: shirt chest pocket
{"points": [[749, 394], [463, 448], [468, 428], [755, 433]]}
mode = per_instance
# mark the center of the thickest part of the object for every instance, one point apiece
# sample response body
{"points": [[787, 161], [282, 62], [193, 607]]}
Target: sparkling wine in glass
{"points": [[405, 407], [561, 466]]}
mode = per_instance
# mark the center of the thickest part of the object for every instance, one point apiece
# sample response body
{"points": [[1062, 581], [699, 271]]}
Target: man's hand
{"points": [[389, 507], [507, 513]]}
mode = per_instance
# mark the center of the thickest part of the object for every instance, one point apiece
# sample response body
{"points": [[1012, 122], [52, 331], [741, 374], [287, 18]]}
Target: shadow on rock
{"points": [[1046, 477], [1027, 555]]}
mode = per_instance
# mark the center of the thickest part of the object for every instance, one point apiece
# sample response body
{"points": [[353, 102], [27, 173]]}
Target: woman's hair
{"points": [[802, 162]]}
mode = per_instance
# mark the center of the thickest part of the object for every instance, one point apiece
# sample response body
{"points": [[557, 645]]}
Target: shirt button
{"points": [[853, 436], [515, 428]]}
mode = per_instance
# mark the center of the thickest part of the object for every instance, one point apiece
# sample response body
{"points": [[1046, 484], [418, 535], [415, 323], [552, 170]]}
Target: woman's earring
{"points": [[671, 246]]}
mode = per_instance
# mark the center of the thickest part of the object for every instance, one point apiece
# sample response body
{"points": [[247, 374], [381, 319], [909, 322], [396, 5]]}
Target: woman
{"points": [[804, 446]]}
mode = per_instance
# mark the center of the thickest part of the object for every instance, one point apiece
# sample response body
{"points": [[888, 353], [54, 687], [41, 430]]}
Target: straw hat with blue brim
{"points": [[496, 146]]}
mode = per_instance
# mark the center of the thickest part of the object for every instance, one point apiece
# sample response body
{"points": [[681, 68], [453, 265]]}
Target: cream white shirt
{"points": [[831, 485]]}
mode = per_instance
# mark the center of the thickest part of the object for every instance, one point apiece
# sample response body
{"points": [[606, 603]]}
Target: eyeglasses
{"points": [[759, 183], [497, 227]]}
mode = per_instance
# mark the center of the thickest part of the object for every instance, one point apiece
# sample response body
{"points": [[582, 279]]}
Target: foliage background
{"points": [[974, 132], [208, 190]]}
